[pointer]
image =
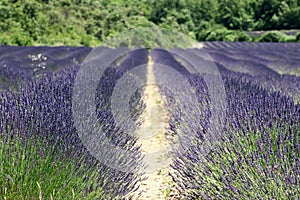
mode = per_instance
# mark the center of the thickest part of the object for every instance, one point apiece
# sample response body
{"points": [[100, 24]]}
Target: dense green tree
{"points": [[90, 22], [235, 14]]}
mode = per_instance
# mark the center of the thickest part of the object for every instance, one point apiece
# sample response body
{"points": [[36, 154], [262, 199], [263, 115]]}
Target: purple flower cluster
{"points": [[255, 153], [270, 65], [20, 64], [258, 152], [43, 107]]}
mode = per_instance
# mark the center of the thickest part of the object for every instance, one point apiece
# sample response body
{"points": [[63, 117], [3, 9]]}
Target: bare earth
{"points": [[153, 143]]}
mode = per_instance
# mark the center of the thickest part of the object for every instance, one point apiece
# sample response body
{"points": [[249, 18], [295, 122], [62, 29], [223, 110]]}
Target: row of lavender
{"points": [[43, 107], [270, 65], [257, 155], [19, 64], [259, 149]]}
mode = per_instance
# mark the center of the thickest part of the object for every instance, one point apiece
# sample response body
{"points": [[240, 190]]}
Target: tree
{"points": [[235, 14]]}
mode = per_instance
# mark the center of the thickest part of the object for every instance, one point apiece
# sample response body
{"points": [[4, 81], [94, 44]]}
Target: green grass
{"points": [[34, 170], [228, 166]]}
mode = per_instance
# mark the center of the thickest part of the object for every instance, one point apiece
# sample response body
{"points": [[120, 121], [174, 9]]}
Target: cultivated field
{"points": [[230, 130]]}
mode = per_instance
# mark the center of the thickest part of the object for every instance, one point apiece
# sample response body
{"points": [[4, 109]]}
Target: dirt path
{"points": [[154, 145]]}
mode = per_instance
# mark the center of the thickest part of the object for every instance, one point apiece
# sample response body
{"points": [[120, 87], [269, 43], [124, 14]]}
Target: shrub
{"points": [[288, 38], [227, 35], [272, 36], [242, 37], [298, 37]]}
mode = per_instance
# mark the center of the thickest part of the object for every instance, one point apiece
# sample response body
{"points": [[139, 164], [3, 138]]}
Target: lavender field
{"points": [[257, 155]]}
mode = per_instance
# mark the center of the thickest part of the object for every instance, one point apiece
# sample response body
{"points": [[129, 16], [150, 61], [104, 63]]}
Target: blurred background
{"points": [[90, 22]]}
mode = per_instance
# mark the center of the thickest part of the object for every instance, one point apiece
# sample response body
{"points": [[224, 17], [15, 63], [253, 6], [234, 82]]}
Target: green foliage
{"points": [[297, 38], [87, 22], [290, 19], [288, 38], [150, 38], [272, 36], [34, 170], [217, 33], [236, 14], [231, 170]]}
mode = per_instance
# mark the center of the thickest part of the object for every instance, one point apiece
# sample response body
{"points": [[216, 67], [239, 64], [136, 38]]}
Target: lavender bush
{"points": [[259, 153], [43, 107], [256, 155]]}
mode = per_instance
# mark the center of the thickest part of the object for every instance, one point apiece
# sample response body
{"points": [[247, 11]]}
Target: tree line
{"points": [[89, 22]]}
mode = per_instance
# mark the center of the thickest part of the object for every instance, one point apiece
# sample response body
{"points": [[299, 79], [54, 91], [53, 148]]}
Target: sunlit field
{"points": [[257, 155]]}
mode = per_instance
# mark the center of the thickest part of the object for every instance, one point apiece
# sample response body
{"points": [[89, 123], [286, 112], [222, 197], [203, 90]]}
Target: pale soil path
{"points": [[198, 45], [154, 144]]}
